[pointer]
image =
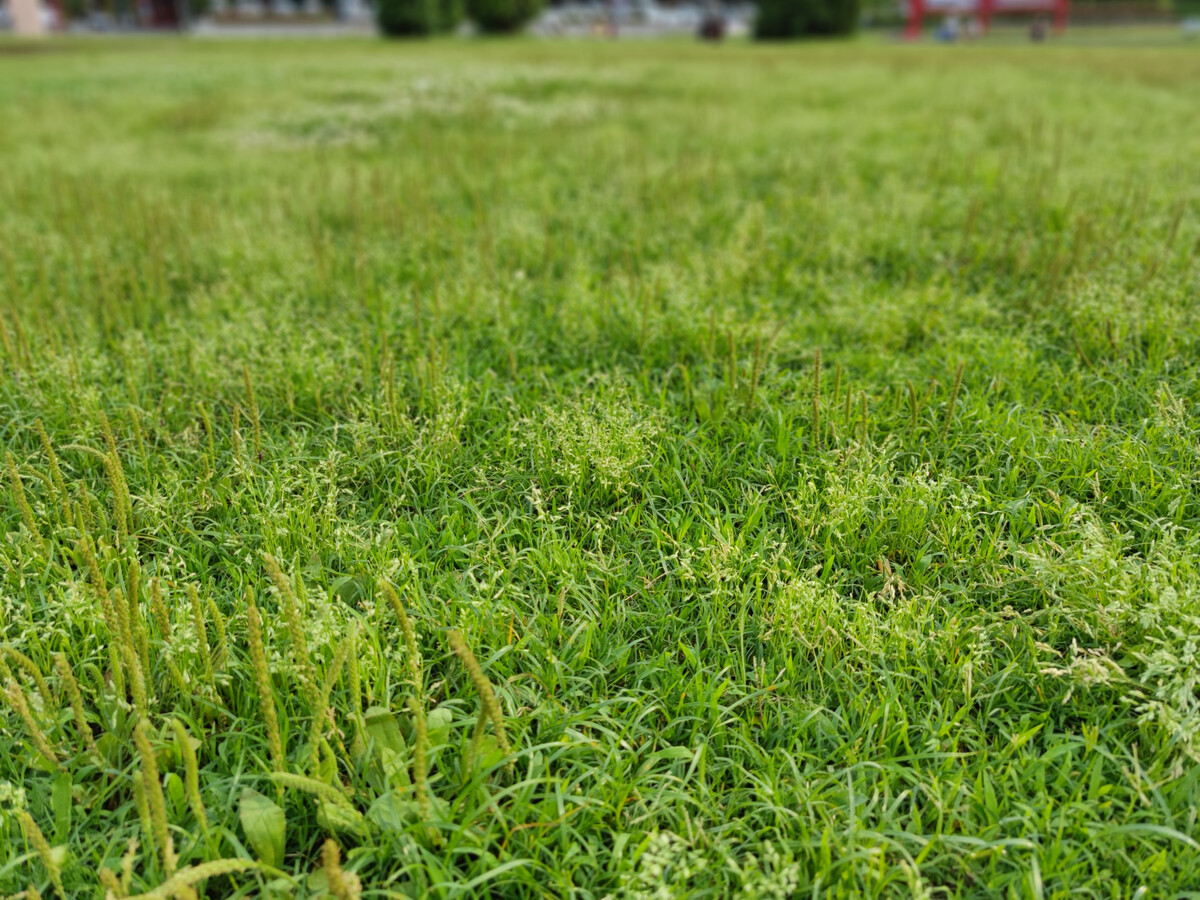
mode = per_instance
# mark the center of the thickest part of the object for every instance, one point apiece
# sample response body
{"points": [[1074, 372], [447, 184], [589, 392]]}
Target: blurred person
{"points": [[949, 29], [712, 23], [28, 17], [615, 8]]}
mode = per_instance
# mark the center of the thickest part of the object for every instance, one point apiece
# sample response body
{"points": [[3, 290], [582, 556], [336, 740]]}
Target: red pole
{"points": [[916, 11], [1061, 10], [985, 14]]}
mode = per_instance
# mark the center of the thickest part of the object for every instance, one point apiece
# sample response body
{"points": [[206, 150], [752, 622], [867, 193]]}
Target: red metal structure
{"points": [[984, 10]]}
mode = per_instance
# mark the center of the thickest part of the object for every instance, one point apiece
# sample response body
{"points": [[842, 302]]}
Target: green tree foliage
{"points": [[503, 16], [408, 18], [781, 19]]}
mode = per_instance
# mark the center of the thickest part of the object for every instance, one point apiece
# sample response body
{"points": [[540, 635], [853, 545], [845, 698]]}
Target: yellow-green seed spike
{"points": [[323, 714], [137, 625], [201, 628], [93, 566], [71, 686], [30, 668], [295, 626], [175, 886], [355, 678], [5, 340], [22, 502], [208, 431], [110, 882], [152, 784], [191, 770], [816, 401], [158, 609], [237, 433], [106, 430], [262, 679], [127, 861], [133, 587], [142, 803], [16, 699], [56, 475], [486, 696], [342, 885], [958, 376], [476, 741], [252, 406], [406, 627], [139, 437], [218, 621], [129, 653], [115, 662], [34, 835], [420, 760], [112, 467], [122, 507], [326, 792]]}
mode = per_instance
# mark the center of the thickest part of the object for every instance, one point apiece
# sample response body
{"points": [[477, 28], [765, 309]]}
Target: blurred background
{"points": [[947, 21]]}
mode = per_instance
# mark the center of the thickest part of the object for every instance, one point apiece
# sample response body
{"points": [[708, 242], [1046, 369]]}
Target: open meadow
{"points": [[640, 470]]}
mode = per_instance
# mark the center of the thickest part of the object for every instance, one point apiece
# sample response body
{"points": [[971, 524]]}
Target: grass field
{"points": [[599, 470]]}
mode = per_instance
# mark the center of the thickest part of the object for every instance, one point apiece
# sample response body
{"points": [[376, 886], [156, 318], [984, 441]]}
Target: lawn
{"points": [[599, 470]]}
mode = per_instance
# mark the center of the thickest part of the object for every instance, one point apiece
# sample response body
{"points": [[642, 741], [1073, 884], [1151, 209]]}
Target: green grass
{"points": [[531, 332]]}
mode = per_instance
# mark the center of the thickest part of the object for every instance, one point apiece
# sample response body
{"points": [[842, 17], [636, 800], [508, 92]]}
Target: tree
{"points": [[412, 18], [804, 18], [503, 16]]}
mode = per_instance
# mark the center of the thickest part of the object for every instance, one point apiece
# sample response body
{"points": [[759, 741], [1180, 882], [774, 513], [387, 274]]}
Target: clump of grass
{"points": [[597, 443]]}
